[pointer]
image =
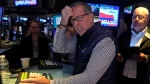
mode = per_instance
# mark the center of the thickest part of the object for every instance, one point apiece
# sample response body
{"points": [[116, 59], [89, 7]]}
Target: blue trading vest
{"points": [[84, 47]]}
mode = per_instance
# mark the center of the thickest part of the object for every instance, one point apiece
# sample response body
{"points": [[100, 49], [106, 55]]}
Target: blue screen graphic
{"points": [[56, 20]]}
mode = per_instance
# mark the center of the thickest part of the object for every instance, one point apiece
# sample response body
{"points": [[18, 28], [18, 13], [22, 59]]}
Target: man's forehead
{"points": [[77, 10], [139, 12]]}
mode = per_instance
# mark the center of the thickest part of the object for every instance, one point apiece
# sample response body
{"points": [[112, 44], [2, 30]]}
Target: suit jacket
{"points": [[26, 46], [124, 41]]}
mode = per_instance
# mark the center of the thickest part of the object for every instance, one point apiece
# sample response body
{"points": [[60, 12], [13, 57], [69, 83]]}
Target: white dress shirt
{"points": [[130, 68]]}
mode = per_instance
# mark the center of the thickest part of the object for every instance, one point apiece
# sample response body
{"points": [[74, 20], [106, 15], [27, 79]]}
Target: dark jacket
{"points": [[124, 41], [85, 45], [26, 46]]}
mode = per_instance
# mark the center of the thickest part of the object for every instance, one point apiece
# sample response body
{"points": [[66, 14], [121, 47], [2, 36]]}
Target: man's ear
{"points": [[92, 16], [148, 19]]}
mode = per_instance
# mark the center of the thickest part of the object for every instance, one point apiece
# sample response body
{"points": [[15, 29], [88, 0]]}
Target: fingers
{"points": [[66, 13], [27, 83], [30, 80], [34, 76], [35, 79], [120, 58], [136, 57], [139, 58]]}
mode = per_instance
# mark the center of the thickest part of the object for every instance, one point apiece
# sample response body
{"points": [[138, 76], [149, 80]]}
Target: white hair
{"points": [[144, 9]]}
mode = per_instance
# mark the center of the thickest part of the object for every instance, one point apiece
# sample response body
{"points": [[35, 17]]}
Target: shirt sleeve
{"points": [[101, 58], [62, 44]]}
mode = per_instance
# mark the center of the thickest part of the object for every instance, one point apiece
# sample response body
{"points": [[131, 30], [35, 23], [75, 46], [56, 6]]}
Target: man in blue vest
{"points": [[95, 59]]}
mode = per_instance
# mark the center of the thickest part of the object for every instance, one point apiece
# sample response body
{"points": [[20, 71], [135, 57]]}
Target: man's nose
{"points": [[76, 23], [137, 18]]}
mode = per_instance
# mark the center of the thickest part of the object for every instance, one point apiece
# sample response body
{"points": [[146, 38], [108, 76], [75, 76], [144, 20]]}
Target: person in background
{"points": [[133, 70], [34, 44], [70, 35], [95, 59], [70, 32]]}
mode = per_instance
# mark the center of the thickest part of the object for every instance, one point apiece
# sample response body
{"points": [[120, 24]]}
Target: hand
{"points": [[66, 13], [120, 58], [140, 58], [35, 79]]}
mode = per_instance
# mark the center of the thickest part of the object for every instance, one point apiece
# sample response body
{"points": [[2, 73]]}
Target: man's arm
{"points": [[101, 57], [62, 44]]}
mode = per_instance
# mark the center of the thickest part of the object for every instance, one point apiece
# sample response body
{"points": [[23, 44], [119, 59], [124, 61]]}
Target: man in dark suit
{"points": [[133, 70]]}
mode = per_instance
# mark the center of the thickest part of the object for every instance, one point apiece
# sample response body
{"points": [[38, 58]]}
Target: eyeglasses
{"points": [[140, 17], [78, 18]]}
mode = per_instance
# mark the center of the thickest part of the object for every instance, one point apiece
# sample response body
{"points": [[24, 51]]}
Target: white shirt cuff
{"points": [[51, 82]]}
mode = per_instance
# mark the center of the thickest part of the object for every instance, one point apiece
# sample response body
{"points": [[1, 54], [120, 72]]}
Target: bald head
{"points": [[140, 19], [143, 10]]}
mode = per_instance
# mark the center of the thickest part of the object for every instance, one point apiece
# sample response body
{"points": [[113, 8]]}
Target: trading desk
{"points": [[66, 71], [8, 43], [3, 50]]}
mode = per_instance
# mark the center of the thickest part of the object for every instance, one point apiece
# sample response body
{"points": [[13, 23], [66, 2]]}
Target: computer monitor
{"points": [[95, 8], [5, 19], [96, 19], [26, 2], [56, 20], [128, 10], [23, 19], [109, 15], [43, 20]]}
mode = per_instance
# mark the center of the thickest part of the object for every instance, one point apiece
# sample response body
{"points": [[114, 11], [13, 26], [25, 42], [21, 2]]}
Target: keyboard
{"points": [[25, 75], [46, 64]]}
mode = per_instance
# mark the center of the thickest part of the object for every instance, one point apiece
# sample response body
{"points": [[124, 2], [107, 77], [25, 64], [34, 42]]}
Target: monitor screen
{"points": [[128, 10], [26, 2], [96, 19], [56, 20], [42, 20], [23, 19], [17, 19], [95, 8], [109, 15], [5, 19]]}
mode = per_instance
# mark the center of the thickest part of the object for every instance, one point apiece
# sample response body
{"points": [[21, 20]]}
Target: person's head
{"points": [[72, 30], [140, 19], [82, 18], [34, 28]]}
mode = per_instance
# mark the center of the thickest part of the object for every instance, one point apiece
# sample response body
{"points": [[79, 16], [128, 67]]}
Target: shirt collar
{"points": [[142, 32]]}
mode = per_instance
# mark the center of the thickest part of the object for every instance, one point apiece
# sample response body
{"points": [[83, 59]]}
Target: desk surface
{"points": [[3, 50], [10, 42], [4, 43], [66, 71]]}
